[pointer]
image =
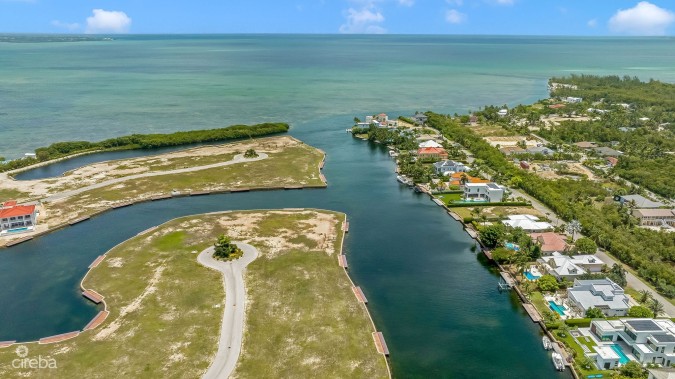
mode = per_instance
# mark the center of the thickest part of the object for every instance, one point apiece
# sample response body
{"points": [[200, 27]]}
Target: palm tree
{"points": [[573, 228], [645, 296], [656, 307]]}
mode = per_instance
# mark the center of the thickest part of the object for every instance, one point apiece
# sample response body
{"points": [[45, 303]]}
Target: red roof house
{"points": [[429, 153]]}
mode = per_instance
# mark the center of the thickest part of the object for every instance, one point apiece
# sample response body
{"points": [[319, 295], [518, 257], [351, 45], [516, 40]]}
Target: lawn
{"points": [[302, 318], [448, 198], [495, 212], [12, 194]]}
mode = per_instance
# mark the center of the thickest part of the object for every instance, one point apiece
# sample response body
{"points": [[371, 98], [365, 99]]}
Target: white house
{"points": [[603, 294], [503, 112], [429, 143], [571, 99], [449, 167], [606, 358], [566, 267], [489, 192], [17, 217], [528, 223], [643, 340], [661, 373]]}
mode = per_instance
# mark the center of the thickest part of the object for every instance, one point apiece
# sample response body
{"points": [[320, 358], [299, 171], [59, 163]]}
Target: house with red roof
{"points": [[14, 218], [431, 153]]}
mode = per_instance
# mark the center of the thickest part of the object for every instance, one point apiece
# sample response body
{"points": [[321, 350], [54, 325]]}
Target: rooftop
{"points": [[606, 352], [655, 212], [641, 201], [644, 325], [662, 372], [550, 241], [19, 210]]}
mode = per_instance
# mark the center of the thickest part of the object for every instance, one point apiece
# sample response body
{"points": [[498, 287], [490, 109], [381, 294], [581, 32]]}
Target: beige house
{"points": [[655, 217]]}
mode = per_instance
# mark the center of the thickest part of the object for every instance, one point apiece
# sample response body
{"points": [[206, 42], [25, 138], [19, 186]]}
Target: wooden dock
{"points": [[78, 220], [93, 296], [438, 202], [323, 178], [360, 296], [488, 254], [96, 262], [97, 320], [160, 197], [6, 344], [20, 240], [58, 337], [122, 205], [506, 281], [380, 344], [346, 227], [243, 189], [532, 312], [342, 260], [454, 215], [200, 193]]}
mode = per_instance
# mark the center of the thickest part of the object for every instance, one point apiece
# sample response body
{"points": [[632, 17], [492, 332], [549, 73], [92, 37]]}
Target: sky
{"points": [[495, 17]]}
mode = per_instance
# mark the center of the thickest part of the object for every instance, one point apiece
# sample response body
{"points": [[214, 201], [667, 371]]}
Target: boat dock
{"points": [[506, 282], [532, 312], [97, 261], [360, 296], [567, 359], [342, 260], [380, 344], [438, 202], [20, 240], [97, 320], [122, 205], [6, 343], [78, 220], [93, 296], [346, 226]]}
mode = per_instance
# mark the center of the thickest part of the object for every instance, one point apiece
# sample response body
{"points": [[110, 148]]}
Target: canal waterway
{"points": [[435, 300]]}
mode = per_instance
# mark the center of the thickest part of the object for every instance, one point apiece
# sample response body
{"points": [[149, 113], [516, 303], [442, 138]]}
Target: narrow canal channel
{"points": [[435, 300]]}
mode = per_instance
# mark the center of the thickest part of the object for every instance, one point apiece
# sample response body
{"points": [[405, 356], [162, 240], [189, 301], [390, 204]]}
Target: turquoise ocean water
{"points": [[436, 301]]}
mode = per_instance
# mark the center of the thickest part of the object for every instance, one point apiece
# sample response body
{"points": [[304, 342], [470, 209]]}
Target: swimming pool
{"points": [[17, 230], [512, 246], [529, 276], [560, 309], [623, 359]]}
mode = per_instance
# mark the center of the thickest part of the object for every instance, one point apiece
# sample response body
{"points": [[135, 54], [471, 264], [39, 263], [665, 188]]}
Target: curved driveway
{"points": [[239, 158], [232, 329]]}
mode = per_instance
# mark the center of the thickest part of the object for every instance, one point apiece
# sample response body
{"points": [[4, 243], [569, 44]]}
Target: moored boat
{"points": [[558, 361], [547, 343]]}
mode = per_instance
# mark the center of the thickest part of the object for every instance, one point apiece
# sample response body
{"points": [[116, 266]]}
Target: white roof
{"points": [[606, 352], [523, 217], [430, 143], [527, 224]]}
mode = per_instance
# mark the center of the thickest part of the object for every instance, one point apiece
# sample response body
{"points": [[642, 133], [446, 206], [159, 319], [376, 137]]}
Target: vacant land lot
{"points": [[166, 309]]}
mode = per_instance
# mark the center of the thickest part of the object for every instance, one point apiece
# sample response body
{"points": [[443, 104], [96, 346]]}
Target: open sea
{"points": [[435, 301]]}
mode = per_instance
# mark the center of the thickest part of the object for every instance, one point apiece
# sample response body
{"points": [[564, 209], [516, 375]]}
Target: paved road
{"points": [[239, 158], [632, 280], [232, 329]]}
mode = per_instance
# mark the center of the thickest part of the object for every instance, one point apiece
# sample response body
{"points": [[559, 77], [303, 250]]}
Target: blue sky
{"points": [[531, 17]]}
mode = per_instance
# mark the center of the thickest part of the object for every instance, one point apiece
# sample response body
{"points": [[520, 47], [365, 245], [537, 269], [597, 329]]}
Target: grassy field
{"points": [[293, 166], [11, 194], [495, 212], [448, 198], [302, 318]]}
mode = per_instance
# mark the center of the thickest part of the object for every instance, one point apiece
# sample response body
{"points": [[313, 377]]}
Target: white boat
{"points": [[402, 179], [547, 343], [392, 153], [558, 361]]}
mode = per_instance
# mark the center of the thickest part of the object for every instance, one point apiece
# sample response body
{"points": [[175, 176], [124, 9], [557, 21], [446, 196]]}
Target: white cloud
{"points": [[457, 3], [643, 19], [454, 16], [366, 20], [592, 23], [407, 3], [103, 21], [72, 26]]}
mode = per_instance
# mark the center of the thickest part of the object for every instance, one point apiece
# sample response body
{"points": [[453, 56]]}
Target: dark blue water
{"points": [[436, 301]]}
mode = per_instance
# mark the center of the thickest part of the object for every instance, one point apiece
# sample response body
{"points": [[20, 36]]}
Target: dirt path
{"points": [[237, 159], [232, 329]]}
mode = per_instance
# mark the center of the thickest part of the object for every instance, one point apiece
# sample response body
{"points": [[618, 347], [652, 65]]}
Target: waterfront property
{"points": [[643, 340], [17, 218], [429, 143], [528, 223], [431, 153], [448, 167], [550, 242], [655, 217], [570, 267], [485, 192], [602, 294], [661, 373]]}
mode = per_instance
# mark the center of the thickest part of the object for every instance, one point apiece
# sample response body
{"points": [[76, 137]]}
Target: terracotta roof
{"points": [[9, 203], [654, 212], [613, 161], [556, 106], [431, 150], [586, 144], [550, 241], [19, 210]]}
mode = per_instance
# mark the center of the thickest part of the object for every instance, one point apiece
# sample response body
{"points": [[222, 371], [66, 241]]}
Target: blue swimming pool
{"points": [[560, 309], [512, 246], [623, 359], [529, 276], [17, 230]]}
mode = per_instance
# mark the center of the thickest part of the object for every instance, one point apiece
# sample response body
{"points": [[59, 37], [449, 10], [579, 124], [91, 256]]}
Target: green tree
{"points": [[250, 153], [656, 307], [585, 363], [547, 283], [492, 235], [594, 313], [585, 245], [633, 369], [502, 255], [645, 296], [225, 250], [640, 311]]}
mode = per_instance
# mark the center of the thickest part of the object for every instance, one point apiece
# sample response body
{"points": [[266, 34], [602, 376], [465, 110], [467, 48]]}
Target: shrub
{"points": [[547, 283], [579, 322], [640, 311]]}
